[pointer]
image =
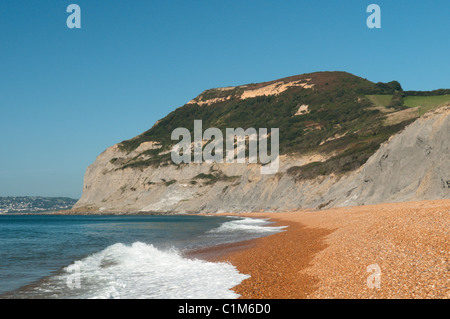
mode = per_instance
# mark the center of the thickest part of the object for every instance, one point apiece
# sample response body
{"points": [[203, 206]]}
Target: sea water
{"points": [[49, 256]]}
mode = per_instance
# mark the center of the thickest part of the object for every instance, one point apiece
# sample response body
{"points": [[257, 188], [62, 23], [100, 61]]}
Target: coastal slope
{"points": [[339, 146]]}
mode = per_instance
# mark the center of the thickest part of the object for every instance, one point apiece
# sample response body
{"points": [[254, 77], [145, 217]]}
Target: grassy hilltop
{"points": [[325, 112]]}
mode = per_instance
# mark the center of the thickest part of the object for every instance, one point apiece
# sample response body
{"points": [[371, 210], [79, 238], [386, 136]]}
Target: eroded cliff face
{"points": [[413, 165]]}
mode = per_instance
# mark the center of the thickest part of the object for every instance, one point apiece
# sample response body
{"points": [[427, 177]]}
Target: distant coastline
{"points": [[34, 204]]}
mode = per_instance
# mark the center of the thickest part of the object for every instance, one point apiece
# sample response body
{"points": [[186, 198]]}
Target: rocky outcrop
{"points": [[413, 165]]}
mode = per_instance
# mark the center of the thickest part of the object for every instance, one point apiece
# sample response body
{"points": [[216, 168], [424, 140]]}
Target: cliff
{"points": [[339, 146]]}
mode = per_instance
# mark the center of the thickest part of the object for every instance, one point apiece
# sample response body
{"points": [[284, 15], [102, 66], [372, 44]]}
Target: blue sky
{"points": [[68, 94]]}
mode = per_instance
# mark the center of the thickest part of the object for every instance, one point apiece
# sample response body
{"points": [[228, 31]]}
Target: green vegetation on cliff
{"points": [[341, 119]]}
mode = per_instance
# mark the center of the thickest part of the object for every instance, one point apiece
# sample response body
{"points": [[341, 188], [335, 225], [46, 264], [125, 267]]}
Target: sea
{"points": [[120, 256]]}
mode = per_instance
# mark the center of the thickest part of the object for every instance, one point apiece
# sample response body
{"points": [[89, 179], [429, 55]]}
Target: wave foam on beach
{"points": [[248, 225], [143, 271]]}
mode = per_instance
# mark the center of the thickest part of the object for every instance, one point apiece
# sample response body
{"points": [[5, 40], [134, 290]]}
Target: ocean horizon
{"points": [[120, 256]]}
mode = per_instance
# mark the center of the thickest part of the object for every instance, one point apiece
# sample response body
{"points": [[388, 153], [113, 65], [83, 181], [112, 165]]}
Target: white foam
{"points": [[247, 225], [143, 271]]}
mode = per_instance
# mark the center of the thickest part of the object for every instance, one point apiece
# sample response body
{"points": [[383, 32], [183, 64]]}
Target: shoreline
{"points": [[261, 258], [330, 253], [342, 252]]}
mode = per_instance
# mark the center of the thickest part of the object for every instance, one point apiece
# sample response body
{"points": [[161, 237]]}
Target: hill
{"points": [[330, 124], [338, 118]]}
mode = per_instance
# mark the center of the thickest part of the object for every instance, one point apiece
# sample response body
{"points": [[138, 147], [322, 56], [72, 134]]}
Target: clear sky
{"points": [[68, 94]]}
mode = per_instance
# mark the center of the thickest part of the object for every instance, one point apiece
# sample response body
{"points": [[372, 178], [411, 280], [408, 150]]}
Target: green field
{"points": [[435, 100], [426, 103]]}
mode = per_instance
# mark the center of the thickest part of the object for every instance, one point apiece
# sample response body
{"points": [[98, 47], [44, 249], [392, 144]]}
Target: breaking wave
{"points": [[142, 271], [248, 225]]}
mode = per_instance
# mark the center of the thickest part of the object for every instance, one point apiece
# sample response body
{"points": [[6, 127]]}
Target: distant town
{"points": [[34, 204]]}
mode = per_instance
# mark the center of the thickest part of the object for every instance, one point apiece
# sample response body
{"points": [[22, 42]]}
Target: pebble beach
{"points": [[385, 251]]}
